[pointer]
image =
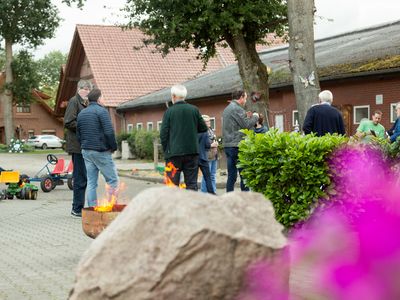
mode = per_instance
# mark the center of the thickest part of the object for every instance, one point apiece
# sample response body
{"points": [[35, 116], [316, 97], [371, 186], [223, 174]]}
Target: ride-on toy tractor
{"points": [[18, 186], [54, 177]]}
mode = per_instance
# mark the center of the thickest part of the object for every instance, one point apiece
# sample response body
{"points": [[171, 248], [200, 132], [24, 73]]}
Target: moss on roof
{"points": [[283, 76], [387, 62]]}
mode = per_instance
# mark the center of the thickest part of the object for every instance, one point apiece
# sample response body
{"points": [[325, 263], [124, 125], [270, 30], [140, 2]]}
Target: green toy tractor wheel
{"points": [[34, 195]]}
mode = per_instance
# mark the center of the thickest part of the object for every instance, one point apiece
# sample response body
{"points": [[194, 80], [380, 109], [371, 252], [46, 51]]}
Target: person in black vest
{"points": [[97, 138], [323, 118], [75, 105], [180, 125]]}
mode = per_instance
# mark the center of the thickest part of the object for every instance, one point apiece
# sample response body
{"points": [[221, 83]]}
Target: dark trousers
{"points": [[205, 169], [232, 160], [189, 165], [80, 181]]}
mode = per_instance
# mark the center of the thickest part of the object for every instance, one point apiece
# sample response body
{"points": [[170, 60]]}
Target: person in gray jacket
{"points": [[235, 118], [96, 135], [75, 105]]}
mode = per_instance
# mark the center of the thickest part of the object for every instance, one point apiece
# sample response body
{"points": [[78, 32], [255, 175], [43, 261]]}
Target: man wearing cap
{"points": [[96, 135]]}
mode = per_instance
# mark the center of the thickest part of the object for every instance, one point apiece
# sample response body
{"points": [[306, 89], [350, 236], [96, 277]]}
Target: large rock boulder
{"points": [[178, 244]]}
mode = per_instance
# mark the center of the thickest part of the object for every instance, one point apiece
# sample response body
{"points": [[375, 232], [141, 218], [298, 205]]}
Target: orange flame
{"points": [[106, 204], [167, 179]]}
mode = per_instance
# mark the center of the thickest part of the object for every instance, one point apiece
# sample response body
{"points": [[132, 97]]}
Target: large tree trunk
{"points": [[302, 55], [7, 96], [253, 72]]}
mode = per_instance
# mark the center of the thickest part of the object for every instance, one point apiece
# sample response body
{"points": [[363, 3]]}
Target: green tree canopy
{"points": [[24, 22], [49, 68], [203, 24], [28, 22], [26, 77]]}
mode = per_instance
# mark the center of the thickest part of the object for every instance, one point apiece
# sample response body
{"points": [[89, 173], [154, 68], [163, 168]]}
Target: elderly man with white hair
{"points": [[180, 125], [324, 118]]}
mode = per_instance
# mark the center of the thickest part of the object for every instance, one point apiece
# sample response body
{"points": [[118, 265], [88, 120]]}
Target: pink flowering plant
{"points": [[351, 248]]}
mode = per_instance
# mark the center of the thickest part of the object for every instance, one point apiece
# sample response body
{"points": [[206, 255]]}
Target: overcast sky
{"points": [[333, 17]]}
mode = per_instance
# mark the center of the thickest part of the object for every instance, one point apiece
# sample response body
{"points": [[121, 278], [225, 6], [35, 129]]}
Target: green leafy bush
{"points": [[144, 143], [3, 148], [391, 151], [132, 142], [28, 148], [289, 169]]}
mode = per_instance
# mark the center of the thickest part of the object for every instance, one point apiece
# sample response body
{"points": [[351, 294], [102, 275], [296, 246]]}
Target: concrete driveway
{"points": [[40, 243]]}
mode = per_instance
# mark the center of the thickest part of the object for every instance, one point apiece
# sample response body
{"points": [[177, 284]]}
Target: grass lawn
{"points": [[39, 151]]}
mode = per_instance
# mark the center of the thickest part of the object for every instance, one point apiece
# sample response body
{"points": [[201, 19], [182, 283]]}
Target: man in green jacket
{"points": [[180, 125]]}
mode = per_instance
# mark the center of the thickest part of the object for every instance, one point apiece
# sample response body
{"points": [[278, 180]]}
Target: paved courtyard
{"points": [[40, 243]]}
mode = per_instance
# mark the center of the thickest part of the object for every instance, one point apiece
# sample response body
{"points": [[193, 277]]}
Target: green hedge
{"points": [[3, 148], [144, 143], [140, 142], [289, 169]]}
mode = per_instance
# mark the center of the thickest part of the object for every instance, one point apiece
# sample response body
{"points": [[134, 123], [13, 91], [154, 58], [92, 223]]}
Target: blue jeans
{"points": [[79, 179], [232, 154], [213, 171], [96, 161]]}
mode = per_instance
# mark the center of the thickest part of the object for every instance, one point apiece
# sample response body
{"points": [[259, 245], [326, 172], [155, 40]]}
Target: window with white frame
{"points": [[295, 118], [31, 132], [212, 123], [393, 115], [159, 123], [129, 128], [360, 112], [149, 126], [139, 126], [23, 108]]}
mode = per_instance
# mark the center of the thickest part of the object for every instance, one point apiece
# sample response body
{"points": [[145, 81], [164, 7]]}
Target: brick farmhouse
{"points": [[361, 68], [34, 118]]}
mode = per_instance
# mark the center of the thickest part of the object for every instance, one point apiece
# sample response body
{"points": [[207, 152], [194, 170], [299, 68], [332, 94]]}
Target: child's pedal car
{"points": [[55, 177]]}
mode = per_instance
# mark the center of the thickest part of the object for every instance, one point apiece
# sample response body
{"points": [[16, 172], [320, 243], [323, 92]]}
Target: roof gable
{"points": [[123, 69]]}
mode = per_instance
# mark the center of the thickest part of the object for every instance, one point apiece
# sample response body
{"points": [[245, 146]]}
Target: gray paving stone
{"points": [[40, 243]]}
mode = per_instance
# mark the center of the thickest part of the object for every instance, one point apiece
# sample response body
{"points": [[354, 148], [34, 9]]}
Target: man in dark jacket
{"points": [[75, 105], [323, 118], [180, 125], [96, 135]]}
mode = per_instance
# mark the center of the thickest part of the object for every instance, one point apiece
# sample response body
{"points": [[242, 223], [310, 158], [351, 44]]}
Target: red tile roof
{"points": [[123, 73]]}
